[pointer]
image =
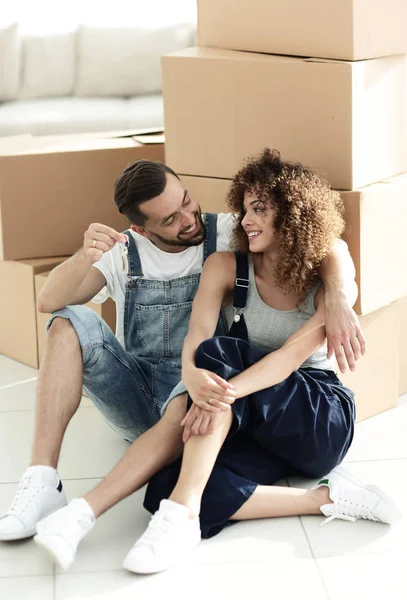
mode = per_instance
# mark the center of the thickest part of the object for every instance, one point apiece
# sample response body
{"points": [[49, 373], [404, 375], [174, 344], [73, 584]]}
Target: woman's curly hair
{"points": [[308, 216]]}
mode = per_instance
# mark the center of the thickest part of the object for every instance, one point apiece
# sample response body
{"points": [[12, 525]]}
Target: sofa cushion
{"points": [[9, 62], [50, 116], [145, 111], [125, 62], [48, 66]]}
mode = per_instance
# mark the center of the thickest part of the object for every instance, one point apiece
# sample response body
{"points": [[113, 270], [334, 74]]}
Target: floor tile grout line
{"points": [[322, 579], [384, 552], [314, 558], [29, 575], [63, 574], [10, 385], [64, 479], [311, 549], [14, 410], [78, 573], [58, 574]]}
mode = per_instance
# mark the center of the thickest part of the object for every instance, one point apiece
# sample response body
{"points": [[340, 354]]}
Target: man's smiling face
{"points": [[173, 220]]}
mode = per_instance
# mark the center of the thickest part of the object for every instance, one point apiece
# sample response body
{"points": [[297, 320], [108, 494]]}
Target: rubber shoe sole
{"points": [[31, 532], [147, 569]]}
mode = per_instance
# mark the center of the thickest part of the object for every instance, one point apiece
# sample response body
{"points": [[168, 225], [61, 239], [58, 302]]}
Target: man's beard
{"points": [[195, 240]]}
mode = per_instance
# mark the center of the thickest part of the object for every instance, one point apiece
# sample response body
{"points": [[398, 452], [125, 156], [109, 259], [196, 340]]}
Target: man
{"points": [[152, 272]]}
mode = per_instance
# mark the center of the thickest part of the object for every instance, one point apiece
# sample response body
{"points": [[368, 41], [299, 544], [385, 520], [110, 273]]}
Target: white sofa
{"points": [[92, 79]]}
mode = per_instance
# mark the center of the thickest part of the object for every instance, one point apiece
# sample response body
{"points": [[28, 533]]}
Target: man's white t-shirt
{"points": [[157, 265]]}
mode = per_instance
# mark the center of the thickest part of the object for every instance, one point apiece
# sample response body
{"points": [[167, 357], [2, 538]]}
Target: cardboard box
{"points": [[346, 30], [18, 313], [376, 221], [403, 346], [53, 188], [107, 311], [346, 120], [208, 192], [375, 380]]}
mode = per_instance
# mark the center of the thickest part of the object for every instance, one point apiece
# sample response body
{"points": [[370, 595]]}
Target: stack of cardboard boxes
{"points": [[51, 190], [324, 82]]}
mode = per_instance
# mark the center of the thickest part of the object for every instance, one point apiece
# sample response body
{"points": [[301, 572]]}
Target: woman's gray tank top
{"points": [[269, 328]]}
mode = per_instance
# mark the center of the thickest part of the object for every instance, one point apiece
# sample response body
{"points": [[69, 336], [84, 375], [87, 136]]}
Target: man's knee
{"points": [[74, 323], [61, 329]]}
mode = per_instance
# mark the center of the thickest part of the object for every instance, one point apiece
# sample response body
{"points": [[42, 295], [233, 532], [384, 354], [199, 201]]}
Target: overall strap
{"points": [[133, 257], [211, 224], [241, 282], [238, 328]]}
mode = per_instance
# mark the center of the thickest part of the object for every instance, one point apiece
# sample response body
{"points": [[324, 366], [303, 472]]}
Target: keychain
{"points": [[124, 253]]}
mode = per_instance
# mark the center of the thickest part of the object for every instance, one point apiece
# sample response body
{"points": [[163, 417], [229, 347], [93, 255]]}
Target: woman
{"points": [[264, 402]]}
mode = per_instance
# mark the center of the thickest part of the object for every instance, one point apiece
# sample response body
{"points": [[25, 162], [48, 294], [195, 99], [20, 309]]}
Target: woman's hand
{"points": [[208, 390], [198, 421]]}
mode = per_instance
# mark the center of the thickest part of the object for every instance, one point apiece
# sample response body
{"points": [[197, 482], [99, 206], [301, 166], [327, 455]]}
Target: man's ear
{"points": [[140, 230]]}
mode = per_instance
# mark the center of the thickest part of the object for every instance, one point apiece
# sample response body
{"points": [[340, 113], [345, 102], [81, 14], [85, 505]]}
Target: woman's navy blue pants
{"points": [[303, 425]]}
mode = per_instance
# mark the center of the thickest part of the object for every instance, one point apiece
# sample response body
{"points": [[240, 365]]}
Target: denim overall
{"points": [[129, 385], [303, 425]]}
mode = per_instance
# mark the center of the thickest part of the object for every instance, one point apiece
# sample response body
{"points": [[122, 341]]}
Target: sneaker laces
{"points": [[347, 511], [25, 495], [160, 524]]}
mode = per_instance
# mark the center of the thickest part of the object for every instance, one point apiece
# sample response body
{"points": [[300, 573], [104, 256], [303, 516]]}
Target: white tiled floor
{"points": [[281, 558]]}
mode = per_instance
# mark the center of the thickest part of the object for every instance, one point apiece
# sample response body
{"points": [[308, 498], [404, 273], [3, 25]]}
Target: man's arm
{"points": [[76, 281], [343, 331]]}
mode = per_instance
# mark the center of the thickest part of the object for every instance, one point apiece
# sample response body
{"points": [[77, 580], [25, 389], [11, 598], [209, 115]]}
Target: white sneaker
{"points": [[354, 500], [39, 494], [60, 533], [170, 536]]}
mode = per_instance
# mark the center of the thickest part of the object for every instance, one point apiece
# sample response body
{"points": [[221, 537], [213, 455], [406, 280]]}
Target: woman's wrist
{"points": [[188, 371]]}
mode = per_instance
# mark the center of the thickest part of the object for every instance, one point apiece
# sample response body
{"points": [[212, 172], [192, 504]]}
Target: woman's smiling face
{"points": [[258, 223]]}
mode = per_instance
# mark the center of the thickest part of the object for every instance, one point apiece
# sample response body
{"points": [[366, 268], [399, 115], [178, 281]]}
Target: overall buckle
{"points": [[244, 283]]}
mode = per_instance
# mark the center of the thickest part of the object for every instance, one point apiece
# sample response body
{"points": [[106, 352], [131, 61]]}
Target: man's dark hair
{"points": [[139, 182]]}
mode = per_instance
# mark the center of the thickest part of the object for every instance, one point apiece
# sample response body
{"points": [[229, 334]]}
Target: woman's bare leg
{"points": [[199, 457], [273, 501], [200, 454]]}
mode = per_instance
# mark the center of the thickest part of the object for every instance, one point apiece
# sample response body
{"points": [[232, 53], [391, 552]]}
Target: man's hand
{"points": [[345, 336], [208, 390], [99, 239], [198, 421]]}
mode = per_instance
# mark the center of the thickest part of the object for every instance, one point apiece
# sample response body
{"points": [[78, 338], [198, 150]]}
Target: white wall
{"points": [[55, 16]]}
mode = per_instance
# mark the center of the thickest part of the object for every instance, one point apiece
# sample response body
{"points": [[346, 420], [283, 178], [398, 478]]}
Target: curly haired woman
{"points": [[264, 402]]}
